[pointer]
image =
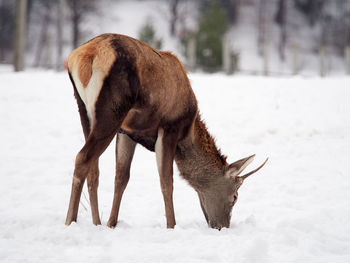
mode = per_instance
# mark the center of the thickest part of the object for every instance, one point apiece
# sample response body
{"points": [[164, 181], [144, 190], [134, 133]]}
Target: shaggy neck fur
{"points": [[198, 159]]}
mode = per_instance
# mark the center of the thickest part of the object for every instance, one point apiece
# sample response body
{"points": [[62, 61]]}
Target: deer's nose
{"points": [[215, 225]]}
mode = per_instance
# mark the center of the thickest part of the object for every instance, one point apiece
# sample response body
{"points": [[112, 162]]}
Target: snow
{"points": [[296, 209]]}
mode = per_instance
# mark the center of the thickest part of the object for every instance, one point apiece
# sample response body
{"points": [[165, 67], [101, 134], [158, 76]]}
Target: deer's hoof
{"points": [[112, 223]]}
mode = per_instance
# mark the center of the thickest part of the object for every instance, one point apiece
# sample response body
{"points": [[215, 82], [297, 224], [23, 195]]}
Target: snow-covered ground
{"points": [[296, 209]]}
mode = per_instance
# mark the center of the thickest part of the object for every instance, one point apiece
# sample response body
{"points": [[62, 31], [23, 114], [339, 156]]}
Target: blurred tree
{"points": [[183, 17], [147, 34], [60, 19], [30, 5], [262, 26], [281, 20], [312, 9], [346, 21], [335, 22], [20, 34], [6, 30], [174, 15], [79, 10], [213, 24], [230, 7], [46, 20]]}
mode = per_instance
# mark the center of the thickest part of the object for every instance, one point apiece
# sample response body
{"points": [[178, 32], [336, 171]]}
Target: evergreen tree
{"points": [[147, 34], [230, 7], [212, 26]]}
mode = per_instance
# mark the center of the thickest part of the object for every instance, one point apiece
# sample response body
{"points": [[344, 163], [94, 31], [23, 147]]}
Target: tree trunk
{"points": [[347, 59], [60, 18], [174, 16], [191, 53], [75, 23], [261, 26], [20, 34], [42, 44], [266, 58], [281, 19], [295, 59], [226, 56], [322, 61], [76, 32]]}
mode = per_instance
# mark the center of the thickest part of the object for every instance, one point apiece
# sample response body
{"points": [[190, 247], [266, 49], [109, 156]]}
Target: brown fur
{"points": [[147, 97], [206, 141], [95, 54], [85, 69]]}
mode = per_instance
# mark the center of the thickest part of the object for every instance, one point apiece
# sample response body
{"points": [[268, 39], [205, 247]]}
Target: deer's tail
{"points": [[88, 65]]}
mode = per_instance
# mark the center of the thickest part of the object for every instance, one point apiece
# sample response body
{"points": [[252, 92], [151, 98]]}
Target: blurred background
{"points": [[262, 37]]}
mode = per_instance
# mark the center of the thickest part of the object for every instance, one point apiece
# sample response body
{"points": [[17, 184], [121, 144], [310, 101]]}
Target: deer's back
{"points": [[154, 81]]}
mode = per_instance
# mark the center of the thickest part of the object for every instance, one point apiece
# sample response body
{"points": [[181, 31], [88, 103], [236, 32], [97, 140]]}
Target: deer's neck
{"points": [[197, 157]]}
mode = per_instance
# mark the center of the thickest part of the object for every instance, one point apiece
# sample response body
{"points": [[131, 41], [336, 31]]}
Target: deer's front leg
{"points": [[165, 152], [125, 149]]}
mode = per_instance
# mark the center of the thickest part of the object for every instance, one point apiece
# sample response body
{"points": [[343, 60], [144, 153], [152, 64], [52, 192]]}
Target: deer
{"points": [[127, 89]]}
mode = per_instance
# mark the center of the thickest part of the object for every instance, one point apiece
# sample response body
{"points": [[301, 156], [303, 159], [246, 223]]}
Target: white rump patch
{"points": [[90, 93]]}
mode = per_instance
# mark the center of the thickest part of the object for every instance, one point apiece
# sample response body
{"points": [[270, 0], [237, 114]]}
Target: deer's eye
{"points": [[234, 198]]}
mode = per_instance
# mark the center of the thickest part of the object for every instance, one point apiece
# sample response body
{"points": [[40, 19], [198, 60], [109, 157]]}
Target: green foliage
{"points": [[212, 26], [147, 34], [230, 7]]}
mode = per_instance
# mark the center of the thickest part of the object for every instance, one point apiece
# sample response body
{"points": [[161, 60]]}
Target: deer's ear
{"points": [[236, 168]]}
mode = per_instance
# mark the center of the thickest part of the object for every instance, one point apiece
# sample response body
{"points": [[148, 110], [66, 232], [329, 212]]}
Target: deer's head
{"points": [[218, 200]]}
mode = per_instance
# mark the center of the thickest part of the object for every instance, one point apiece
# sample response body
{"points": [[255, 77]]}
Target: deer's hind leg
{"points": [[92, 182], [125, 149], [85, 162], [93, 173], [111, 108]]}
